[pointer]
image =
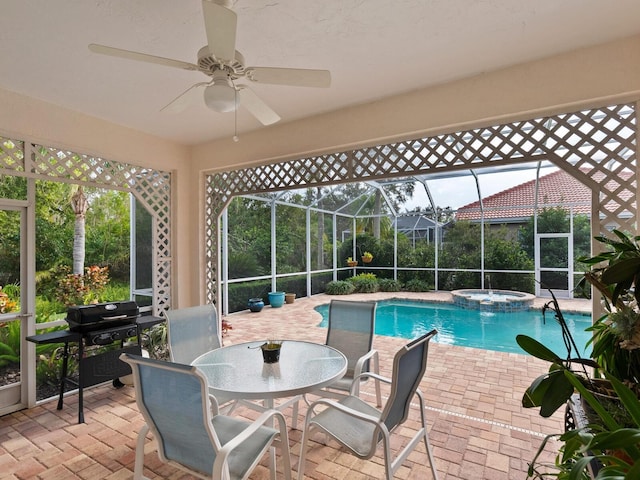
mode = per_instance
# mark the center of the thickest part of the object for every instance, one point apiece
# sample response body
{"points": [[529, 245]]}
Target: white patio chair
{"points": [[191, 332], [351, 330], [360, 427], [175, 402]]}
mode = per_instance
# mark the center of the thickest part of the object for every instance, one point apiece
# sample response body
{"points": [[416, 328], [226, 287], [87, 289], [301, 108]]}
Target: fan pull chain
{"points": [[235, 117]]}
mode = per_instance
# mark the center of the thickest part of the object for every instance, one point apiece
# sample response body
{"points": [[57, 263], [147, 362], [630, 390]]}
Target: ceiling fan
{"points": [[225, 66]]}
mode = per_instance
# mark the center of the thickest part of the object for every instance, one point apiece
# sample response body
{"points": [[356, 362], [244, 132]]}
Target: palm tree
{"points": [[80, 205]]}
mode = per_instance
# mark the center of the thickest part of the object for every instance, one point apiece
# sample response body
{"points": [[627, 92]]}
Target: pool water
{"points": [[474, 328]]}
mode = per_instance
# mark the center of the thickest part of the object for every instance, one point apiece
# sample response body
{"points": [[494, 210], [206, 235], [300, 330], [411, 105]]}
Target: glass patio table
{"points": [[239, 371]]}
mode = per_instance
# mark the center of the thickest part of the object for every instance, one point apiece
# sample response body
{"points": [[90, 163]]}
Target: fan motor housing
{"points": [[209, 65]]}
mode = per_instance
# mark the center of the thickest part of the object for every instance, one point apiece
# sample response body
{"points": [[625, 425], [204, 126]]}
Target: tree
{"points": [[398, 194], [556, 220], [80, 205], [108, 231]]}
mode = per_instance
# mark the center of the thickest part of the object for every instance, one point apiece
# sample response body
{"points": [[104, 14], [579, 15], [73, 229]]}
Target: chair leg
{"points": [[138, 468], [294, 421], [432, 463], [303, 448], [285, 453], [425, 436]]}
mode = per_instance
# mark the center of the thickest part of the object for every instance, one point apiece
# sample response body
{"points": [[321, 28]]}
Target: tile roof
{"points": [[557, 188]]}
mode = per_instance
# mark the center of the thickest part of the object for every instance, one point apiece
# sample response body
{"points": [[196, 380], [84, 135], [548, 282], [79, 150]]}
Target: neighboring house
{"points": [[515, 206], [418, 227]]}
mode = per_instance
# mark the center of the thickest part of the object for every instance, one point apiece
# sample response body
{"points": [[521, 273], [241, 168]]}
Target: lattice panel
{"points": [[151, 187], [597, 146], [600, 147], [11, 154]]}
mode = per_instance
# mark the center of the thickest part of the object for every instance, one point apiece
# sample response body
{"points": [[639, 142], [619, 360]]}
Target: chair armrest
{"points": [[355, 385], [371, 354], [349, 411], [215, 408], [250, 430]]}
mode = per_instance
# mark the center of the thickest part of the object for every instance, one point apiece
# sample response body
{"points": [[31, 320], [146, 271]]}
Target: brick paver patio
{"points": [[478, 429]]}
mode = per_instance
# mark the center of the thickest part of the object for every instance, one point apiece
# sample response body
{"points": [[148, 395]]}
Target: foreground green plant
{"points": [[609, 446], [610, 442], [615, 274]]}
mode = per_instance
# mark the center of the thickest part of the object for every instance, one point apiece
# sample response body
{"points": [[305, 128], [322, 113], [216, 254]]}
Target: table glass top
{"points": [[239, 370]]}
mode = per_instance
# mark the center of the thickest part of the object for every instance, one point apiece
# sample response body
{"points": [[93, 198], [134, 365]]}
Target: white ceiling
{"points": [[373, 48]]}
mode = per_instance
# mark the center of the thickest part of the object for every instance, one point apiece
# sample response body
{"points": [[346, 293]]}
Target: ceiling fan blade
{"points": [[220, 24], [141, 57], [259, 109], [186, 98], [297, 77]]}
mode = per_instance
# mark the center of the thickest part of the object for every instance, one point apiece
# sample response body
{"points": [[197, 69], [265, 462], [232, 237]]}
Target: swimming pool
{"points": [[473, 328]]}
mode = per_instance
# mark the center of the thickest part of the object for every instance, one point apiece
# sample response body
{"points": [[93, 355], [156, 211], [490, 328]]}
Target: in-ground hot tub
{"points": [[492, 300]]}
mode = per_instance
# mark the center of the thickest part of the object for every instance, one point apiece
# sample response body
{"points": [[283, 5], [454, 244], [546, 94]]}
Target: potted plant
{"points": [[615, 274], [351, 262], [367, 257], [553, 389], [607, 445], [271, 351], [611, 440], [609, 450]]}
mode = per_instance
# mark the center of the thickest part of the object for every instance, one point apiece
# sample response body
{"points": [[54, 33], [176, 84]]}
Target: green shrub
{"points": [[49, 310], [155, 341], [9, 343], [81, 289], [49, 367], [365, 283], [388, 285], [339, 287], [416, 286]]}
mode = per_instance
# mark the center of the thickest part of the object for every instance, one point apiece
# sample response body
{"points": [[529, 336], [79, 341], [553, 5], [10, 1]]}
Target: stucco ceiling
{"points": [[373, 48]]}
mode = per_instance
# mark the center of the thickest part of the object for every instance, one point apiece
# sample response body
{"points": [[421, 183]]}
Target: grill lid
{"points": [[86, 318]]}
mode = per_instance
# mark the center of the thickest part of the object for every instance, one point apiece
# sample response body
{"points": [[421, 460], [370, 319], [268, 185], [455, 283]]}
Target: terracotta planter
{"points": [[367, 259], [289, 297], [353, 263]]}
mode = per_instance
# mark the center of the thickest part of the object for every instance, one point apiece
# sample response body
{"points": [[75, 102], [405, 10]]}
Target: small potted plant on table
{"points": [[271, 351]]}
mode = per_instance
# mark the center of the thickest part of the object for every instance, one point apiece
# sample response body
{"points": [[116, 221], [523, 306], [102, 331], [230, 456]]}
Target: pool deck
{"points": [[478, 428]]}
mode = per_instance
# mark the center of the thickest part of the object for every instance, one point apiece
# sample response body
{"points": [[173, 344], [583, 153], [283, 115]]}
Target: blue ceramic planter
{"points": [[255, 304], [276, 299]]}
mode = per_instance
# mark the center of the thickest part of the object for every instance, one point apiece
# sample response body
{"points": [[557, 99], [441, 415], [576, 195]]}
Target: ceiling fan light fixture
{"points": [[221, 96]]}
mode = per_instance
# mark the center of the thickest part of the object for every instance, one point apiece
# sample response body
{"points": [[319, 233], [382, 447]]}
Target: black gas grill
{"points": [[102, 332], [104, 323], [103, 328]]}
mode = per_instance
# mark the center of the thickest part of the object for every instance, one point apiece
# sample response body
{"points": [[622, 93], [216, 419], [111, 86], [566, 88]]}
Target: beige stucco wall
{"points": [[593, 76], [29, 119], [598, 75]]}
